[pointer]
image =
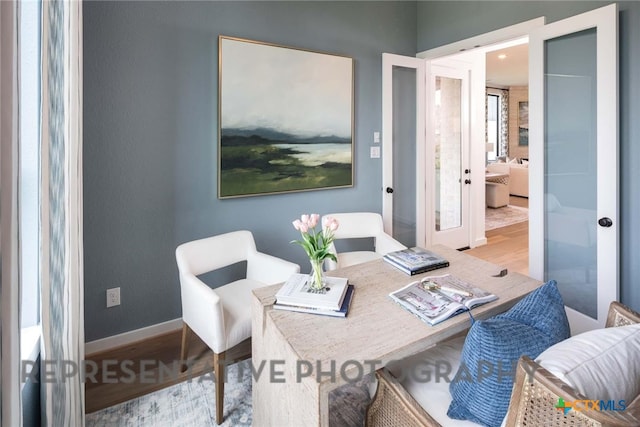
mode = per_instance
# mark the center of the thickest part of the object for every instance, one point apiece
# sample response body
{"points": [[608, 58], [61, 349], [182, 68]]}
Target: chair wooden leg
{"points": [[219, 371], [184, 349]]}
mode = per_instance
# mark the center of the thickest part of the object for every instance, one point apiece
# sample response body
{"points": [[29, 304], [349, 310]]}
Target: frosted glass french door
{"points": [[574, 162], [403, 112]]}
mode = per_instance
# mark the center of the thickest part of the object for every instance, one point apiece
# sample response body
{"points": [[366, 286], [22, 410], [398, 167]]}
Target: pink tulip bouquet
{"points": [[316, 243]]}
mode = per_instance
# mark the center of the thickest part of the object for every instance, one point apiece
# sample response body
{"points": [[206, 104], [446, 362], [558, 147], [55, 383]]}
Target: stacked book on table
{"points": [[415, 260], [334, 300]]}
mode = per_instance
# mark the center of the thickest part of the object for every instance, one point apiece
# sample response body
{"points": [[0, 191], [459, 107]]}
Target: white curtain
{"points": [[10, 412], [61, 199]]}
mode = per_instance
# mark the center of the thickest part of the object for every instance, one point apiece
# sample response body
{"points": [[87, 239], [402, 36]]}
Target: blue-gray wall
{"points": [[150, 137], [440, 23], [150, 129]]}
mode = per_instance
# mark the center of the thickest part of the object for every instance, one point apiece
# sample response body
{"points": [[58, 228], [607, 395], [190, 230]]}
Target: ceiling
{"points": [[510, 71]]}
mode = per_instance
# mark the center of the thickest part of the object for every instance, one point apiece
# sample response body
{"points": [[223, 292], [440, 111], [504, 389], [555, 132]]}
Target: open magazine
{"points": [[436, 298]]}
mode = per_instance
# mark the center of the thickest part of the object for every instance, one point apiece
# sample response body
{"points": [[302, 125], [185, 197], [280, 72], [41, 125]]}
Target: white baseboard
{"points": [[132, 336], [478, 242]]}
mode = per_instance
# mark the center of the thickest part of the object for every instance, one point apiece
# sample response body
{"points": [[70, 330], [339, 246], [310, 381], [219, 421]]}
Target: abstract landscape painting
{"points": [[285, 117]]}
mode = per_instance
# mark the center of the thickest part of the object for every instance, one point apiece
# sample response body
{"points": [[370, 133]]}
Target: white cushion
{"points": [[518, 166], [236, 297], [345, 259], [498, 168], [601, 364], [518, 180], [417, 374]]}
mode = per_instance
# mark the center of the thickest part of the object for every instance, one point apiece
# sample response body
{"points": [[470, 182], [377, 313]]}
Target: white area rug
{"points": [[187, 404], [507, 215], [192, 404]]}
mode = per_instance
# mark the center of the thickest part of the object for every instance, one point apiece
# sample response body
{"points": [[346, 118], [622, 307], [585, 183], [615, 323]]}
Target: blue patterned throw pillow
{"points": [[481, 389]]}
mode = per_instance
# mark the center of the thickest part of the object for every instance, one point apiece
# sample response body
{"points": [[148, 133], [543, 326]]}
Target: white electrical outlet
{"points": [[113, 297], [375, 152], [376, 137]]}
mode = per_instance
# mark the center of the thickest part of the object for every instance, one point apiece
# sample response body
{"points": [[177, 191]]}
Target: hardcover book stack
{"points": [[334, 300], [415, 260]]}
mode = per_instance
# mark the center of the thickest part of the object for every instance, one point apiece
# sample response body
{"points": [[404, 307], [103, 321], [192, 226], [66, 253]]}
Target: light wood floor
{"points": [[523, 202], [507, 246]]}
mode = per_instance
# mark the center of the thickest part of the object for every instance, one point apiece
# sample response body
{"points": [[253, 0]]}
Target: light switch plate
{"points": [[376, 137], [375, 152]]}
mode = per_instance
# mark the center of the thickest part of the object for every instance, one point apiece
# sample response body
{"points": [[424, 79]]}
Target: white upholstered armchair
{"points": [[221, 317], [361, 225]]}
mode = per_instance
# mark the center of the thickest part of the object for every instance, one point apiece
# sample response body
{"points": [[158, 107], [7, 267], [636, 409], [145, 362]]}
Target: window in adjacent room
{"points": [[29, 177], [493, 127]]}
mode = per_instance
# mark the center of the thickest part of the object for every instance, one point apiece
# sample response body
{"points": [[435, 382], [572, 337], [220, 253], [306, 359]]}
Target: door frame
{"points": [[536, 146], [473, 46], [501, 35]]}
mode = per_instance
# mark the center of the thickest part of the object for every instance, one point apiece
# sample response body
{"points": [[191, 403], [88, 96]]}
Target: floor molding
{"points": [[125, 338]]}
